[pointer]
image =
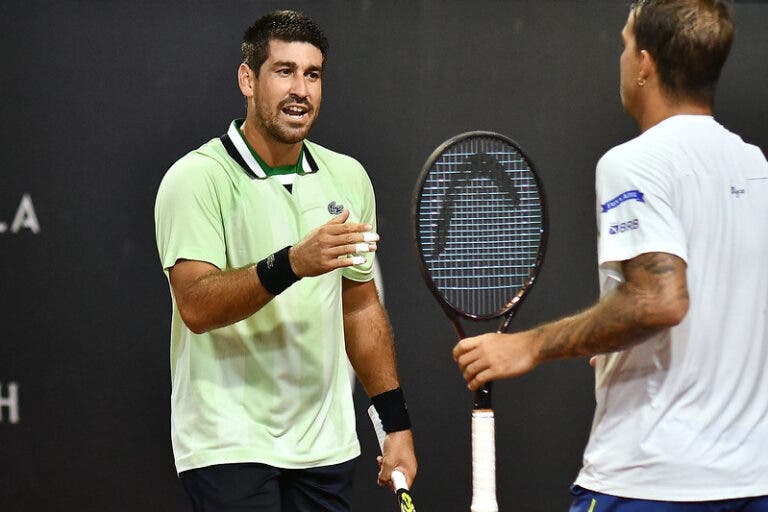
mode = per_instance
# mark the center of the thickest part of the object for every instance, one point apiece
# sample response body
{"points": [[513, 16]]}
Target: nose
{"points": [[299, 86]]}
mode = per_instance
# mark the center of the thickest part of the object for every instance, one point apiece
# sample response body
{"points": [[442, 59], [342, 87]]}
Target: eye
{"points": [[313, 75], [284, 72]]}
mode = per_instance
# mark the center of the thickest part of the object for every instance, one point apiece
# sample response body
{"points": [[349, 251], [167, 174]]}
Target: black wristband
{"points": [[392, 410], [275, 272]]}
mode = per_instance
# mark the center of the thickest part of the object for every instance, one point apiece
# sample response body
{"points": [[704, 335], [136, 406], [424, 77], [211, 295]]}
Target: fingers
{"points": [[391, 480], [467, 360], [384, 477], [334, 245], [474, 369], [350, 233], [462, 347], [398, 455], [350, 239], [335, 251], [338, 225], [342, 238], [495, 356], [480, 379], [340, 218]]}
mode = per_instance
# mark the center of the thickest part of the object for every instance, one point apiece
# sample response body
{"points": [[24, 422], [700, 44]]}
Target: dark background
{"points": [[98, 99]]}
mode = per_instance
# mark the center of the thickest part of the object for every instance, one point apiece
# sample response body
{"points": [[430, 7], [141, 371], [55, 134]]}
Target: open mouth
{"points": [[296, 111]]}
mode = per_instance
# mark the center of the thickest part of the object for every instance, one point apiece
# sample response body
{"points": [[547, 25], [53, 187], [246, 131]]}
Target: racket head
{"points": [[480, 224]]}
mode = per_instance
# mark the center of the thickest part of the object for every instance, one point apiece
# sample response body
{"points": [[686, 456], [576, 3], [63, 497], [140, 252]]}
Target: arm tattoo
{"points": [[648, 301]]}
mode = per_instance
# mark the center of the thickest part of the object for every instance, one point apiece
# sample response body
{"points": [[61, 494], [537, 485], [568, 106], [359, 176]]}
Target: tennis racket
{"points": [[404, 499], [480, 234]]}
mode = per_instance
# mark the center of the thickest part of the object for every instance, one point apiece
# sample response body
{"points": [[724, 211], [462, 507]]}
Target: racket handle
{"points": [[483, 462], [483, 397], [398, 478]]}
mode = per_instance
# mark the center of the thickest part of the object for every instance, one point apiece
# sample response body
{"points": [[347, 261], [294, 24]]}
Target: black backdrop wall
{"points": [[99, 98]]}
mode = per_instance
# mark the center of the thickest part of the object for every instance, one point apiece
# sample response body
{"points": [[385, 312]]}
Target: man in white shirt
{"points": [[681, 330]]}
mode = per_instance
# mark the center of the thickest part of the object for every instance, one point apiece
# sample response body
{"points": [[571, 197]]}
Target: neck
{"points": [[274, 153], [663, 108]]}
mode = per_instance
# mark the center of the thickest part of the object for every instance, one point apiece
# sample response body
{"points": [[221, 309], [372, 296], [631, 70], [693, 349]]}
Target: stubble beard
{"points": [[278, 129]]}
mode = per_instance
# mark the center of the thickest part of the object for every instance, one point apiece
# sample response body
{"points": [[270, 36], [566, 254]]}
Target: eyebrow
{"points": [[293, 65]]}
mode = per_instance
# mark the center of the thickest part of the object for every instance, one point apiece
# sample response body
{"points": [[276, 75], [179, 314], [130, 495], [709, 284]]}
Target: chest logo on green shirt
{"points": [[335, 209]]}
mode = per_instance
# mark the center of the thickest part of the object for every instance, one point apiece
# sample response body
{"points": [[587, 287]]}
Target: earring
{"points": [[640, 81]]}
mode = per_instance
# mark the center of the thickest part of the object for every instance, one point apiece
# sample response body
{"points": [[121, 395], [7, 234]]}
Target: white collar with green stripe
{"points": [[241, 152]]}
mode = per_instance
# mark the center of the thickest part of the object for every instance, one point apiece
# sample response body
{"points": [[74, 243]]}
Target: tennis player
{"points": [[267, 240], [681, 329]]}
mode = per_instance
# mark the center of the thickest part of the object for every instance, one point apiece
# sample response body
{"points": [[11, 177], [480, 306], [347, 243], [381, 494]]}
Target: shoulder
{"points": [[204, 165], [650, 153]]}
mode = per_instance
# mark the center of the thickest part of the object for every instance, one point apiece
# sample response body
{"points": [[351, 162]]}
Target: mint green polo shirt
{"points": [[272, 388]]}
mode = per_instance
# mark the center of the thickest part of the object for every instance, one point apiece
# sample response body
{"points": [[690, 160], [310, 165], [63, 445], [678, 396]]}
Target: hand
{"points": [[320, 250], [494, 356], [397, 454]]}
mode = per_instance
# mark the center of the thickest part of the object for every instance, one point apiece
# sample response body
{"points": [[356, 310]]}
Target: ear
{"points": [[245, 79], [647, 68]]}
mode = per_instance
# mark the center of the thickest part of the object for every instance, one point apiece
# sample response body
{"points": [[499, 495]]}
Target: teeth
{"points": [[294, 111]]}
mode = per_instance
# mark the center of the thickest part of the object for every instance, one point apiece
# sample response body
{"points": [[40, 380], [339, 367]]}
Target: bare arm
{"points": [[653, 297], [208, 297], [368, 338]]}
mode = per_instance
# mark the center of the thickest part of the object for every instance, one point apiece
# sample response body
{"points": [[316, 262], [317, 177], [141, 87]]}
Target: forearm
{"points": [[219, 298], [615, 323], [208, 297], [653, 297], [368, 338]]}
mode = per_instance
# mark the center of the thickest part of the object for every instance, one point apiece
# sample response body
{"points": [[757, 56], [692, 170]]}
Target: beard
{"points": [[275, 125]]}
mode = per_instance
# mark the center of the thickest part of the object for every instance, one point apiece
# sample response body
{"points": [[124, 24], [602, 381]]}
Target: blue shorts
{"points": [[585, 500], [260, 488]]}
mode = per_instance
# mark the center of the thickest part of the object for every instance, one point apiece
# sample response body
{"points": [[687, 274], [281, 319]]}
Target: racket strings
{"points": [[480, 224]]}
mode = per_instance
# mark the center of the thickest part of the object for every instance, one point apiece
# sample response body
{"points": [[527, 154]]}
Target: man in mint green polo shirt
{"points": [[267, 240]]}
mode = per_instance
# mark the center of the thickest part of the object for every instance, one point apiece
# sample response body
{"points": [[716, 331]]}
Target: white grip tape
{"points": [[370, 237], [398, 478], [483, 462], [362, 247], [377, 426]]}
